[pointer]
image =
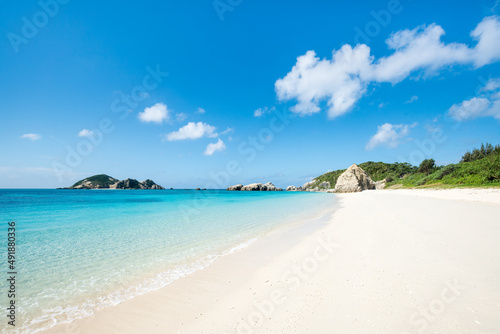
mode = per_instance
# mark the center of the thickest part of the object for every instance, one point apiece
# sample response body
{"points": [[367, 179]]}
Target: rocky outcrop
{"points": [[379, 185], [255, 187], [103, 181], [271, 187], [308, 185], [134, 184], [127, 184], [235, 187], [354, 179], [324, 185], [149, 184], [293, 188]]}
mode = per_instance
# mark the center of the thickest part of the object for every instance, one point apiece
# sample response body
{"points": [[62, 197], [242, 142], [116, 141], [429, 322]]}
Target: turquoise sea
{"points": [[78, 251]]}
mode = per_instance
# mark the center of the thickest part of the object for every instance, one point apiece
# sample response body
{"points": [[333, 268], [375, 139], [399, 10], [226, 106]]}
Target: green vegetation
{"points": [[328, 177], [427, 166], [377, 171], [484, 151], [479, 168], [101, 180]]}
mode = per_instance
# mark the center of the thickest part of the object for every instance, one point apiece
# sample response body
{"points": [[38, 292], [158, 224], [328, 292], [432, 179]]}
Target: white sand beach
{"points": [[392, 261]]}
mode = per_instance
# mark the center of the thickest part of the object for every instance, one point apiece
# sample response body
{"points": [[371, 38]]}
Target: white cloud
{"points": [[228, 130], [86, 133], [157, 114], [200, 111], [487, 34], [389, 135], [261, 111], [338, 81], [412, 99], [180, 117], [214, 147], [433, 129], [344, 79], [192, 131], [469, 109], [476, 107], [32, 136], [485, 105], [491, 85]]}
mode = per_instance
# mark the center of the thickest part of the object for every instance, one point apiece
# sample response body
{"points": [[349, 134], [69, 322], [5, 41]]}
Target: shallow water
{"points": [[79, 251]]}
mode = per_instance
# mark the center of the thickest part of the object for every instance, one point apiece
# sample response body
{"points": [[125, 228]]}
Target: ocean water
{"points": [[78, 251]]}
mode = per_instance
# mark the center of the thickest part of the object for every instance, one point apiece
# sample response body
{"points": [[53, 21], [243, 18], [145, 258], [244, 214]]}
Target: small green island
{"points": [[103, 181]]}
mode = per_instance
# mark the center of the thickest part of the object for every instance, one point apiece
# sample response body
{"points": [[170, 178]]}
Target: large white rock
{"points": [[354, 179], [254, 187], [308, 185], [235, 187], [379, 185], [271, 187]]}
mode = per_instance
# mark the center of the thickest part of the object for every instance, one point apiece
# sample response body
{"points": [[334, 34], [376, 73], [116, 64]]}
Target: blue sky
{"points": [[213, 93]]}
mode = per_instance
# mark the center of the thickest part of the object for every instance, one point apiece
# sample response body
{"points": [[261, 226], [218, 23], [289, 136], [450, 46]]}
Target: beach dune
{"points": [[384, 262]]}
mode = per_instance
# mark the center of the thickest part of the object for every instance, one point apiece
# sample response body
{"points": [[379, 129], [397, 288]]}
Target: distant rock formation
{"points": [[271, 187], [235, 187], [134, 184], [103, 181], [255, 187], [308, 185], [354, 179]]}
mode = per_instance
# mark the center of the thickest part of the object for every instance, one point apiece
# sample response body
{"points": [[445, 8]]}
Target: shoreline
{"points": [[283, 225], [382, 259]]}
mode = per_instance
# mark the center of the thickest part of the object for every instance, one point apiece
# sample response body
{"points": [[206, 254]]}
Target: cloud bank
{"points": [[192, 131], [86, 133], [389, 135], [214, 147], [32, 136], [344, 79], [262, 111], [486, 105], [155, 114]]}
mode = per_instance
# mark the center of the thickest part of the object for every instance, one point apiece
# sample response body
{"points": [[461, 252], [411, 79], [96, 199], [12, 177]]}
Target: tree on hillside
{"points": [[476, 154], [427, 166]]}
